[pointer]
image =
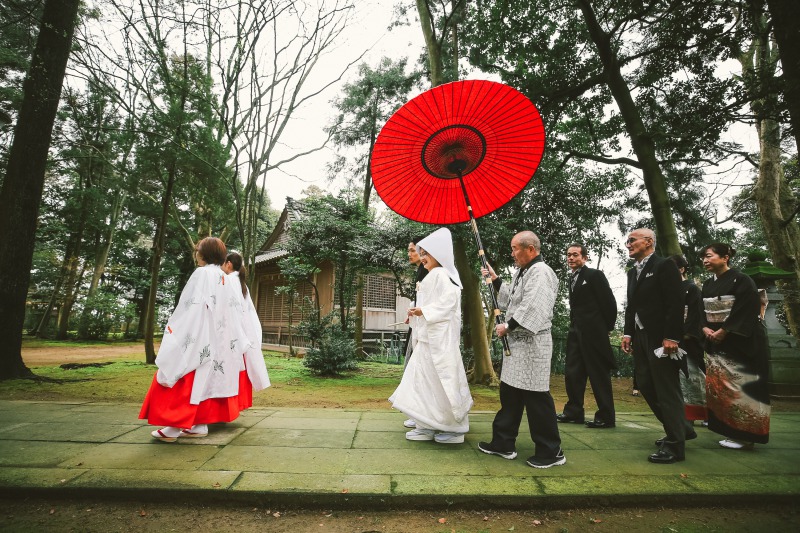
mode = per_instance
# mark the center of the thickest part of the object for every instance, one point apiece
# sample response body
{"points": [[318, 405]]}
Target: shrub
{"points": [[98, 316], [333, 353]]}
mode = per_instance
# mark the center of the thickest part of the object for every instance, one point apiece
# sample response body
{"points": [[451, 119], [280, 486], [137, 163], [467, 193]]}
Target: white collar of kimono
{"points": [[439, 244]]}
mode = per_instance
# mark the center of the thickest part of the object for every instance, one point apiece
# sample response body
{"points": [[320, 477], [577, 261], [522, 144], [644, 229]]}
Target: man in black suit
{"points": [[653, 327], [416, 261], [592, 313]]}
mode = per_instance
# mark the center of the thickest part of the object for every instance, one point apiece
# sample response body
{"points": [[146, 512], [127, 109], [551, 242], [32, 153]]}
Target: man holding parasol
{"points": [[525, 379]]}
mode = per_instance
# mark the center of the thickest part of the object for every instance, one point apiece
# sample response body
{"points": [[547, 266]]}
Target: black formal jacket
{"points": [[592, 313], [658, 298], [592, 300]]}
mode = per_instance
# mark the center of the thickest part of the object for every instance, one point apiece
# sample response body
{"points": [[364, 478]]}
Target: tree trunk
{"points": [[773, 197], [776, 202], [290, 324], [24, 181], [141, 307], [161, 228], [101, 257], [373, 135], [70, 288], [155, 268], [787, 35], [473, 320], [42, 327], [358, 333], [433, 46], [641, 140], [483, 371]]}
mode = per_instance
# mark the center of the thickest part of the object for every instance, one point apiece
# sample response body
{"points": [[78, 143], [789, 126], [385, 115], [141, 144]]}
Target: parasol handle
{"points": [[487, 279]]}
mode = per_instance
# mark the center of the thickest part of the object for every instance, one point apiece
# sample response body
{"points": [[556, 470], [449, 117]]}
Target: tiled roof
{"points": [[271, 255]]}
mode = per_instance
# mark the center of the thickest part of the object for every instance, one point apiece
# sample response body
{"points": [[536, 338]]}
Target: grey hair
{"points": [[652, 234], [647, 233], [529, 238]]}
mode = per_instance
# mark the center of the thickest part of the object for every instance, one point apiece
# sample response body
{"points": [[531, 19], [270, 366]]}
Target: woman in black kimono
{"points": [[737, 393], [693, 384]]}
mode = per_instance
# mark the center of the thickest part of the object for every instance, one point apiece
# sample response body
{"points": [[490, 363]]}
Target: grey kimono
{"points": [[529, 301]]}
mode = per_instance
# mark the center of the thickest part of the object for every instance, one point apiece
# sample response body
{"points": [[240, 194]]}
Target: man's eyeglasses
{"points": [[634, 239]]}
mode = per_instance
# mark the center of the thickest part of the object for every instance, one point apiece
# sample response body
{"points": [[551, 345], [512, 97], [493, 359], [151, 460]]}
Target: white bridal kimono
{"points": [[205, 334], [434, 390], [253, 356]]}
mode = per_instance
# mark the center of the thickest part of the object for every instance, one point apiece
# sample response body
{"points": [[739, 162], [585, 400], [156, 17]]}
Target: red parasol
{"points": [[492, 129], [478, 140]]}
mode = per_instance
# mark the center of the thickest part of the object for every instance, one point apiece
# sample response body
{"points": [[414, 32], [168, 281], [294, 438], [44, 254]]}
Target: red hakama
{"points": [[165, 406]]}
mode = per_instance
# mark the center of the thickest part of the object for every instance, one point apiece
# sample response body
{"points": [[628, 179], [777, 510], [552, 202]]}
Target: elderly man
{"points": [[592, 313], [525, 378], [653, 327]]}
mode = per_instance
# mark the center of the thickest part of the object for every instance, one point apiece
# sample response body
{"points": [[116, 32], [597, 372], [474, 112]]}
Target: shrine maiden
{"points": [[200, 360], [256, 377]]}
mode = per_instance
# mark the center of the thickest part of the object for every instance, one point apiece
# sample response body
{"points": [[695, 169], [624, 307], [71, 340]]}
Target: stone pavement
{"points": [[335, 458]]}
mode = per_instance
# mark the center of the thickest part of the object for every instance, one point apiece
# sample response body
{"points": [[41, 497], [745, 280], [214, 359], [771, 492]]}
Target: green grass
{"points": [[127, 378]]}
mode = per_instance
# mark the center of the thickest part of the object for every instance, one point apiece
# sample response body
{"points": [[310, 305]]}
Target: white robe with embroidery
{"points": [[253, 356], [205, 335], [434, 390]]}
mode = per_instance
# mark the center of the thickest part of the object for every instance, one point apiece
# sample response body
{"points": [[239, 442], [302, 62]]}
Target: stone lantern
{"points": [[784, 367]]}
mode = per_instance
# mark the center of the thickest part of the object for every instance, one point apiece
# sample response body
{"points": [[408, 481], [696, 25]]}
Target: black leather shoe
{"points": [[561, 417], [599, 424], [689, 436], [665, 457]]}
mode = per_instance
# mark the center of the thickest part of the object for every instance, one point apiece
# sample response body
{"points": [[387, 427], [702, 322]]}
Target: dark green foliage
{"points": [[19, 26], [668, 52], [101, 313], [336, 230], [334, 349], [362, 110]]}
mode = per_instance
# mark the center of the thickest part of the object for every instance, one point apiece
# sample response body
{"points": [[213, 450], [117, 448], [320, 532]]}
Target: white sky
{"points": [[368, 33]]}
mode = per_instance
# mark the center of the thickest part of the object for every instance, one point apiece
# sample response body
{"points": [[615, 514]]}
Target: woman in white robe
{"points": [[256, 378], [434, 390], [200, 363]]}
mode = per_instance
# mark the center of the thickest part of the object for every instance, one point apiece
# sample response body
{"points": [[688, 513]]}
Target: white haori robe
{"points": [[434, 390], [253, 356], [205, 335], [531, 344]]}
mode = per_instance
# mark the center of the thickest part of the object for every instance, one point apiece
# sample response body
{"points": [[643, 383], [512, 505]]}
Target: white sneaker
{"points": [[420, 434], [449, 438], [735, 444], [410, 423]]}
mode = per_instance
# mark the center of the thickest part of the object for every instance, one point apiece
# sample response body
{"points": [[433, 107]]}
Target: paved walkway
{"points": [[350, 458]]}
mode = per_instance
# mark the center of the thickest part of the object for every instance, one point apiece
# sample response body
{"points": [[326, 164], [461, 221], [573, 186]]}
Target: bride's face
{"points": [[428, 261]]}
